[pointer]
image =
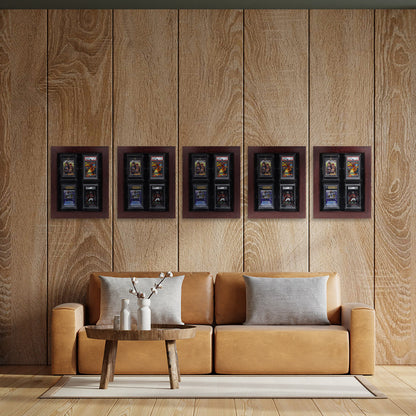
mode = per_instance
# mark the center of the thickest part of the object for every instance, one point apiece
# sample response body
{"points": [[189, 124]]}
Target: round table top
{"points": [[157, 333]]}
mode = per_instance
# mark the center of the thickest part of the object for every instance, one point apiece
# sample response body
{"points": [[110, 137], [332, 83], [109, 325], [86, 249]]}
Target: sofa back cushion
{"points": [[197, 295], [230, 295]]}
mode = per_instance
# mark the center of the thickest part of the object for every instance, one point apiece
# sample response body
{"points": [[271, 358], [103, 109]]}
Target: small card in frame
{"points": [[265, 197], [90, 201], [222, 166], [200, 196], [331, 197], [353, 167], [90, 166], [222, 197], [287, 166], [265, 166], [68, 197], [157, 166], [135, 197], [134, 166], [157, 199], [68, 166], [330, 166], [288, 197], [353, 197], [199, 165]]}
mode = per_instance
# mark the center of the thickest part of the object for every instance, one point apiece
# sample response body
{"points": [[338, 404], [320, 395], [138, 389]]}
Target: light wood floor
{"points": [[20, 388]]}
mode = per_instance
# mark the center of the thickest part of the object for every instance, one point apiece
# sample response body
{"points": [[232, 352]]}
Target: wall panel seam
{"points": [[47, 188], [178, 169], [113, 182], [310, 196]]}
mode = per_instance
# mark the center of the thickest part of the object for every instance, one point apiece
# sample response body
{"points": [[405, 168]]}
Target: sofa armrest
{"points": [[359, 320], [67, 319]]}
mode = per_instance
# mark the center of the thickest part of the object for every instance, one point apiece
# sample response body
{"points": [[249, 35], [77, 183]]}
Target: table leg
{"points": [[172, 363], [107, 371], [177, 363]]}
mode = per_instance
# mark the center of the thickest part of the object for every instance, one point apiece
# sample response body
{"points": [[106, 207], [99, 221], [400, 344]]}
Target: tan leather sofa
{"points": [[73, 352], [226, 346], [345, 346]]}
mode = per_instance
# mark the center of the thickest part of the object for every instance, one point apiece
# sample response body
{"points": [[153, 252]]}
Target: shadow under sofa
{"points": [[222, 343]]}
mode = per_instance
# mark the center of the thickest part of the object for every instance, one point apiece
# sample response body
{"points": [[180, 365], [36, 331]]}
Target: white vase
{"points": [[144, 315], [125, 320]]}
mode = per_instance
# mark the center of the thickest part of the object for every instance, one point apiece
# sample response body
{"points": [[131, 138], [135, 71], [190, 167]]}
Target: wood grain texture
{"points": [[275, 114], [298, 407], [210, 114], [79, 93], [255, 407], [23, 185], [341, 114], [395, 236], [145, 114]]}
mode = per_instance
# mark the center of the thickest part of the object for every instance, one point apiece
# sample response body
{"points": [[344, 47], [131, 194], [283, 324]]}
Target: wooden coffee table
{"points": [[167, 333]]}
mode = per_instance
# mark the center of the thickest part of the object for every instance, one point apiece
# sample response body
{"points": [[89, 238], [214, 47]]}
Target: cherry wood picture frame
{"points": [[55, 212], [252, 212], [122, 212], [366, 181], [186, 178]]}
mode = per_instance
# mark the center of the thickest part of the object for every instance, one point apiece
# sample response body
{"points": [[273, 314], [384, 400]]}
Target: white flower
{"points": [[133, 279], [162, 275], [154, 290], [170, 274], [133, 292]]}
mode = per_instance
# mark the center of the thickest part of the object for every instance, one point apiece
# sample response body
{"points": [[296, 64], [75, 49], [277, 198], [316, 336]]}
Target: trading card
{"points": [[157, 166], [222, 197], [222, 166], [288, 197], [135, 166], [135, 196], [68, 196], [265, 197], [200, 196], [353, 197], [199, 166], [90, 197], [68, 166], [287, 166], [157, 197], [90, 166], [265, 166], [352, 167], [331, 196], [330, 166]]}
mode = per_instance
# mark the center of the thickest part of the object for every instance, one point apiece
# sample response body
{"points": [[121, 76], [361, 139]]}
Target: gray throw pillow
{"points": [[165, 305], [286, 301]]}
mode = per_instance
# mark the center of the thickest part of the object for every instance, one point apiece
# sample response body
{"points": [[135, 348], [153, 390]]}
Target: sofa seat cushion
{"points": [[260, 349], [148, 357]]}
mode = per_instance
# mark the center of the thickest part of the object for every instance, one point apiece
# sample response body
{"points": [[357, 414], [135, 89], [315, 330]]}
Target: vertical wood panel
{"points": [[341, 113], [23, 184], [276, 114], [80, 101], [145, 114], [395, 238], [210, 114]]}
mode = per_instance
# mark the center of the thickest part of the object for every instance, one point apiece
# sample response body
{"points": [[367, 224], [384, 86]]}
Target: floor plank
{"points": [[299, 407], [133, 407], [255, 407], [174, 407], [405, 373], [332, 407], [215, 407]]}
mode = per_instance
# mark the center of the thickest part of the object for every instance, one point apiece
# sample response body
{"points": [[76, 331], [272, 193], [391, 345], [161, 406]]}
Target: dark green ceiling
{"points": [[207, 4]]}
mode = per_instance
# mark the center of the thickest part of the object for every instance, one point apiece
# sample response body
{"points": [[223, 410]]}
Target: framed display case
{"points": [[146, 182], [342, 182], [276, 182], [211, 182], [79, 182]]}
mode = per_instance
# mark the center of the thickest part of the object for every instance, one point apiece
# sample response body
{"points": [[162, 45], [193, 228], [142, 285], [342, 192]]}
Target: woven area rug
{"points": [[216, 386]]}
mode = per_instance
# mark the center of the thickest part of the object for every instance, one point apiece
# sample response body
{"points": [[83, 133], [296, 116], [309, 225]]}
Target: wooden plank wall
{"points": [[395, 261], [23, 184], [341, 114], [79, 114], [276, 114], [210, 113], [205, 77], [145, 114]]}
